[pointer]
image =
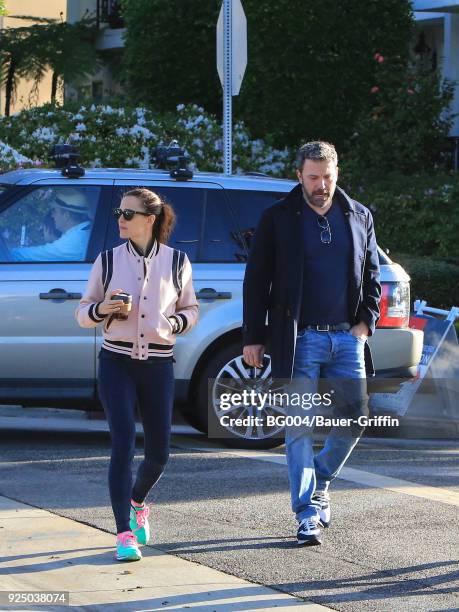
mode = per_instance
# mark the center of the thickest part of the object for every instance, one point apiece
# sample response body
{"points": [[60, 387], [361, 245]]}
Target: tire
{"points": [[224, 361]]}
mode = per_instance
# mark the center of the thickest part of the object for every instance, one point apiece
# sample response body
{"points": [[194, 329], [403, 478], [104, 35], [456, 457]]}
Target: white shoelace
{"points": [[322, 497], [308, 525]]}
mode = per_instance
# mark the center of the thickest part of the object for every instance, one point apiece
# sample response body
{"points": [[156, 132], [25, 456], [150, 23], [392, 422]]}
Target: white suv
{"points": [[47, 359]]}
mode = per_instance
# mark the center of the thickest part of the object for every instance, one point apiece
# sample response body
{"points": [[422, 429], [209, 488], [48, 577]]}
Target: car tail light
{"points": [[395, 305]]}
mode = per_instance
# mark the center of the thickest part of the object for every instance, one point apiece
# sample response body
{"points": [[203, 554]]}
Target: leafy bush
{"points": [[406, 124], [416, 214], [10, 158], [432, 280], [125, 137], [310, 64]]}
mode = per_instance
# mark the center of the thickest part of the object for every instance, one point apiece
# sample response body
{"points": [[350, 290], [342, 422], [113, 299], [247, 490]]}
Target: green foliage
{"points": [[405, 126], [118, 136], [67, 49], [170, 53], [414, 214], [16, 60], [433, 280], [310, 64]]}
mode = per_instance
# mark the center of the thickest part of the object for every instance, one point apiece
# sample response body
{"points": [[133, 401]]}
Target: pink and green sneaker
{"points": [[139, 523], [127, 548]]}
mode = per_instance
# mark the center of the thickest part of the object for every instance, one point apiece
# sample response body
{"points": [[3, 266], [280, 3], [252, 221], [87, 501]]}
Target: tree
{"points": [[169, 54], [310, 64], [16, 60], [405, 125], [68, 49]]}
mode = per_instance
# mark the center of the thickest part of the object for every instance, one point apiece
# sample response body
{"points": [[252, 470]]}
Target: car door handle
{"points": [[211, 294], [59, 294]]}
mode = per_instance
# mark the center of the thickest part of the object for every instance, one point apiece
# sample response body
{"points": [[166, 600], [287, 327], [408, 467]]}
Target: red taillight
{"points": [[395, 305]]}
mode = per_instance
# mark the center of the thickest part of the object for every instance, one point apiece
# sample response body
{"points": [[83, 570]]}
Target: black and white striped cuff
{"points": [[93, 313], [180, 323]]}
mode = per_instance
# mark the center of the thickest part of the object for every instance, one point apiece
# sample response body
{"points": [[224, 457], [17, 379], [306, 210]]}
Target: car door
{"points": [[50, 232]]}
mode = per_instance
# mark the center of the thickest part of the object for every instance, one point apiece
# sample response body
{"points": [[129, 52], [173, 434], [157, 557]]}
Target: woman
{"points": [[136, 358]]}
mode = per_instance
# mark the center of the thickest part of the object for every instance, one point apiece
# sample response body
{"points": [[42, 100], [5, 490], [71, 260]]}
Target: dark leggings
{"points": [[123, 384]]}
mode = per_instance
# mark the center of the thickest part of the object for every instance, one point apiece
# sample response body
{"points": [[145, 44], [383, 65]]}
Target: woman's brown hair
{"points": [[165, 215]]}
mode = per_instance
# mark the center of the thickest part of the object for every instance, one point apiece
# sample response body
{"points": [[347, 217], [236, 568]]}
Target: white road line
{"points": [[369, 479]]}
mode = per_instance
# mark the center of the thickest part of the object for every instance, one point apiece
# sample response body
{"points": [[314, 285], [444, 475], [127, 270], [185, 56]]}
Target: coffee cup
{"points": [[126, 298]]}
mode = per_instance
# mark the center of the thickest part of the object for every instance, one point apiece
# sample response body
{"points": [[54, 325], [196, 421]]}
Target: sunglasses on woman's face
{"points": [[128, 214]]}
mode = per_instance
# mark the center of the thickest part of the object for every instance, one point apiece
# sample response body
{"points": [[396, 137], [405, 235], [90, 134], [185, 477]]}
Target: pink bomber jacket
{"points": [[163, 299]]}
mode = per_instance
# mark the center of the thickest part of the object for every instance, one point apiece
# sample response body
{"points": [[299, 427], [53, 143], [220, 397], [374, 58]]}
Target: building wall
{"points": [[34, 8], [434, 39], [103, 83], [442, 35]]}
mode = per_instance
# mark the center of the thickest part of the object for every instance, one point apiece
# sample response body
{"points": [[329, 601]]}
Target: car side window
{"points": [[220, 242], [248, 207], [188, 205], [49, 223], [208, 229]]}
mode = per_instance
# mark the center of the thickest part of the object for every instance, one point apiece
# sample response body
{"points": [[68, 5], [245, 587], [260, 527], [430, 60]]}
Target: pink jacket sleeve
{"points": [[86, 312], [186, 307]]}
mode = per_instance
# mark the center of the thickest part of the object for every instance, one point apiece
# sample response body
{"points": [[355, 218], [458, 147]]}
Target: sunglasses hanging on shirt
{"points": [[325, 234]]}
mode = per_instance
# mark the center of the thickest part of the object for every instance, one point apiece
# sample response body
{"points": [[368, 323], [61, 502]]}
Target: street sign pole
{"points": [[227, 86], [231, 65]]}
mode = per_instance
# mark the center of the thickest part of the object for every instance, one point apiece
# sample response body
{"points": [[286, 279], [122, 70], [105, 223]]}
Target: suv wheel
{"points": [[226, 372]]}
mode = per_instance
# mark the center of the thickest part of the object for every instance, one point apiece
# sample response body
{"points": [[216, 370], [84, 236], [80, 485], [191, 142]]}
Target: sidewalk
{"points": [[42, 551], [18, 418]]}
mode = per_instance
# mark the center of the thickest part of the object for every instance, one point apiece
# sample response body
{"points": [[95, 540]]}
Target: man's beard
{"points": [[315, 201]]}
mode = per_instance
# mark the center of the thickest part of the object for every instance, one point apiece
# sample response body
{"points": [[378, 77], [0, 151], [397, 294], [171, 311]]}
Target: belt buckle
{"points": [[325, 328]]}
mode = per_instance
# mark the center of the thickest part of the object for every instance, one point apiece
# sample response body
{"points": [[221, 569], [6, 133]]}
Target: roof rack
{"points": [[65, 156], [175, 159], [262, 174]]}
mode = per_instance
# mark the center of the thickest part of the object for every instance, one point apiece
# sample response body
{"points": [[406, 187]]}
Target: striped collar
{"points": [[132, 249]]}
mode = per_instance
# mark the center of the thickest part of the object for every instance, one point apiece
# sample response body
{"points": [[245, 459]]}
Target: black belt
{"points": [[325, 327]]}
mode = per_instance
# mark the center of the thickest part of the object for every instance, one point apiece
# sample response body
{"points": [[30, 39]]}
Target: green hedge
{"points": [[415, 214], [311, 65], [436, 281]]}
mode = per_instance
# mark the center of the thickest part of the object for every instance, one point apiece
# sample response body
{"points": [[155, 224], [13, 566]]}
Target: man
{"points": [[314, 269], [69, 210]]}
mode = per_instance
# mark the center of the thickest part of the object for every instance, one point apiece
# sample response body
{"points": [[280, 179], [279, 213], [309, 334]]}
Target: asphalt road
{"points": [[389, 548]]}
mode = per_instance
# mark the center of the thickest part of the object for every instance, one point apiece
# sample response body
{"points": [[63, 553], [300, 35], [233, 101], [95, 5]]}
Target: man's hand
{"points": [[253, 355], [360, 330]]}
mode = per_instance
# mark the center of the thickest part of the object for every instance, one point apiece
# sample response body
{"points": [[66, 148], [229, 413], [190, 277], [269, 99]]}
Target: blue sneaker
{"points": [[139, 523], [126, 547]]}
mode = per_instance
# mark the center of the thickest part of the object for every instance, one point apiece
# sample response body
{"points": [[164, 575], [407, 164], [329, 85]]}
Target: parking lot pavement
{"points": [[392, 545]]}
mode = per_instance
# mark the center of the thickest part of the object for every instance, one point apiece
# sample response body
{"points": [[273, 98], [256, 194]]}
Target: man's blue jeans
{"points": [[340, 356]]}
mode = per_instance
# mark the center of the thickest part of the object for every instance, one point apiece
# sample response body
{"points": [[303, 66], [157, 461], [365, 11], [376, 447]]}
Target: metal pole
{"points": [[227, 85]]}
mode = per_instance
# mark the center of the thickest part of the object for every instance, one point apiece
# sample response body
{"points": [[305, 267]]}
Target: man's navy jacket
{"points": [[274, 277]]}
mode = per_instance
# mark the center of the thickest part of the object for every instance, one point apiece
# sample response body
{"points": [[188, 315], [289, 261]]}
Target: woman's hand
{"points": [[110, 305]]}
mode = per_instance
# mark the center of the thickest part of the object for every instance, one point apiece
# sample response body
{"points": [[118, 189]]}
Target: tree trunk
{"points": [[9, 86], [54, 86]]}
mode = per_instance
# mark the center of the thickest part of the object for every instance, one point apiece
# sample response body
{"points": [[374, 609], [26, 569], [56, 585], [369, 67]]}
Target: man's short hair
{"points": [[317, 150]]}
